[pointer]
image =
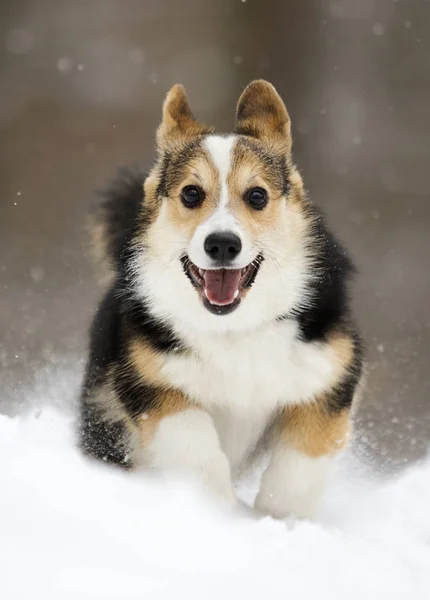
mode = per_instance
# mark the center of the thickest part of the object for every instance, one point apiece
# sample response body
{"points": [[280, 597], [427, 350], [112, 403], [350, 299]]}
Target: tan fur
{"points": [[343, 347], [150, 190], [146, 361], [247, 171], [171, 402], [178, 123], [96, 232], [202, 173], [313, 430], [248, 168], [262, 113], [297, 195], [106, 398]]}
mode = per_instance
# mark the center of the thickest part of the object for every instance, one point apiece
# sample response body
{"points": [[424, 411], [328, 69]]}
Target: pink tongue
{"points": [[221, 285]]}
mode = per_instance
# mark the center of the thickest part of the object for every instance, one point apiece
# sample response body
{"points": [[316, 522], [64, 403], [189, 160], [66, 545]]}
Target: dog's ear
{"points": [[178, 123], [262, 114]]}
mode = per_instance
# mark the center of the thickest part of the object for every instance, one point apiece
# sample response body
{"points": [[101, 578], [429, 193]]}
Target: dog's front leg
{"points": [[306, 438], [180, 438]]}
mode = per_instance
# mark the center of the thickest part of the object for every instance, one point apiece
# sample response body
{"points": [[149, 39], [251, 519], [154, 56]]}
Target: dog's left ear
{"points": [[178, 122], [262, 114]]}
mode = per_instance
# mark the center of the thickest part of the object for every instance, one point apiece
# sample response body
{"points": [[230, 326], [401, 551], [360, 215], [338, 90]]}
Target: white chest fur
{"points": [[242, 378]]}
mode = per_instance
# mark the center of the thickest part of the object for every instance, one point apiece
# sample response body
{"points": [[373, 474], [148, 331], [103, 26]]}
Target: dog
{"points": [[226, 329]]}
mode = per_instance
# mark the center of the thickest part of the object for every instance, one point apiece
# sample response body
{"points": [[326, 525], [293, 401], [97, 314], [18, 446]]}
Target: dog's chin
{"points": [[221, 290]]}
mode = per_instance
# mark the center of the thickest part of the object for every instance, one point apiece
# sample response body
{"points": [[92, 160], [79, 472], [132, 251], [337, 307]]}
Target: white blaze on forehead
{"points": [[220, 150]]}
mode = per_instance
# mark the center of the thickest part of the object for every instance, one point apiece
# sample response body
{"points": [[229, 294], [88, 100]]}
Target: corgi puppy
{"points": [[226, 328]]}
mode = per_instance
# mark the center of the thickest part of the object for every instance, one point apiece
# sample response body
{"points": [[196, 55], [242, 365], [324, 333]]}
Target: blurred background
{"points": [[82, 84]]}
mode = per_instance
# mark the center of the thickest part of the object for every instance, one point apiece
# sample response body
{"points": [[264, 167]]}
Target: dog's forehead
{"points": [[239, 159], [224, 159], [263, 160]]}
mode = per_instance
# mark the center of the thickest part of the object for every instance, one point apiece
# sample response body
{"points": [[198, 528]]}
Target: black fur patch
{"points": [[101, 439], [342, 395], [119, 318], [121, 211], [328, 302], [104, 337], [135, 396], [142, 324], [257, 263]]}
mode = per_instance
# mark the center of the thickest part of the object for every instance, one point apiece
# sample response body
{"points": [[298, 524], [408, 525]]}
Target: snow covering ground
{"points": [[74, 530]]}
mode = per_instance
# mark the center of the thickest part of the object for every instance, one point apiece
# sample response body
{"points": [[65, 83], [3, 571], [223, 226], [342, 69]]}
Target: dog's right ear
{"points": [[262, 114], [178, 123]]}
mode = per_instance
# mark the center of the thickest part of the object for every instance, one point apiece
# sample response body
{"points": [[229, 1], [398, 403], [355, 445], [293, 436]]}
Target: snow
{"points": [[378, 29], [70, 529], [65, 64]]}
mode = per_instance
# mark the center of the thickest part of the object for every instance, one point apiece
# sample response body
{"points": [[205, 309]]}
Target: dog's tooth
{"points": [[201, 272], [208, 299], [236, 294]]}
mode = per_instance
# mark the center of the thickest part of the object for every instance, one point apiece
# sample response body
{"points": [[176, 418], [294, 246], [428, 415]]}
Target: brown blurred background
{"points": [[82, 84]]}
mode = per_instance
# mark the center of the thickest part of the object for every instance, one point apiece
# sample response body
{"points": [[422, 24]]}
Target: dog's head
{"points": [[225, 246]]}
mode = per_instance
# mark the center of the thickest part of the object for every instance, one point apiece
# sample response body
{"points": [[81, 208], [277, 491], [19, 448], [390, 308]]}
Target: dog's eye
{"points": [[257, 198], [192, 196]]}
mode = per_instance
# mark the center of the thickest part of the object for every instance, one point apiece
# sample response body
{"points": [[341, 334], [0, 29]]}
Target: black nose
{"points": [[223, 246]]}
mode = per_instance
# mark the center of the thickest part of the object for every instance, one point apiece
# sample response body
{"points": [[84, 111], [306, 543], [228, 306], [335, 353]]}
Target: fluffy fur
{"points": [[200, 359]]}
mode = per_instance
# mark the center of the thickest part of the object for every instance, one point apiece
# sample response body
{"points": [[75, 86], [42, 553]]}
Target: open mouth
{"points": [[221, 289]]}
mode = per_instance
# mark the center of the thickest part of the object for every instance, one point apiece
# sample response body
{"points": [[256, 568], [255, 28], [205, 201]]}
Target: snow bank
{"points": [[74, 530]]}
